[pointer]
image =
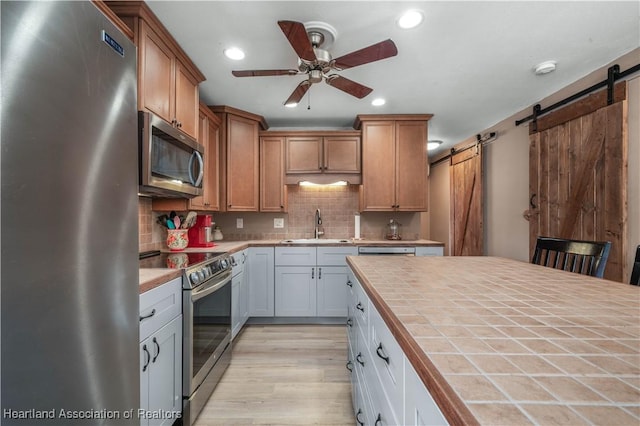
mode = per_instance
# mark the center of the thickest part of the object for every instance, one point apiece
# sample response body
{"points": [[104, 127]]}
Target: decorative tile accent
{"points": [[148, 238]]}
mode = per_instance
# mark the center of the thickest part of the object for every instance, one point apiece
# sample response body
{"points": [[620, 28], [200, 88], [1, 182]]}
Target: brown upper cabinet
{"points": [[309, 155], [394, 162], [240, 151], [273, 196], [167, 79], [210, 138]]}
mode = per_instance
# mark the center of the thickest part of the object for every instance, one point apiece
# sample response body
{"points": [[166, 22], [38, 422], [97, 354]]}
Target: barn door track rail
{"points": [[613, 75]]}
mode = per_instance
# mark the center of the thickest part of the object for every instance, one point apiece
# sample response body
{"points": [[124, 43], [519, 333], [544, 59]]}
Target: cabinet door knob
{"points": [[360, 307], [349, 283]]}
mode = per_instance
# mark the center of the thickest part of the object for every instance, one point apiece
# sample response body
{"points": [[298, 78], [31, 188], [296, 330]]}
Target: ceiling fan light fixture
{"points": [[410, 19], [291, 104], [433, 144], [234, 53], [378, 102]]}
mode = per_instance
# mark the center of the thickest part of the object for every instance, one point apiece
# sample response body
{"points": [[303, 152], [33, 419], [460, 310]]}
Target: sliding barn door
{"points": [[466, 202], [578, 181]]}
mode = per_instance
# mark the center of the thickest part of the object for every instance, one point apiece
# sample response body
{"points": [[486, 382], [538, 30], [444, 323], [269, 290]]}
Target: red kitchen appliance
{"points": [[200, 234]]}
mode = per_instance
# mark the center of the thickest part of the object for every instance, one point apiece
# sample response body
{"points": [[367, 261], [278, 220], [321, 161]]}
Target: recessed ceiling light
{"points": [[378, 102], [234, 53], [545, 67], [410, 19], [291, 104], [433, 144]]}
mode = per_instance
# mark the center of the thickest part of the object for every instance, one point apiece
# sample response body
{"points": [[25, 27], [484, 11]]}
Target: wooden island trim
{"points": [[452, 407]]}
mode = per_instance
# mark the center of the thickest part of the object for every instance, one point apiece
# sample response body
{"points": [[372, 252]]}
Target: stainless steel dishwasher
{"points": [[386, 250]]}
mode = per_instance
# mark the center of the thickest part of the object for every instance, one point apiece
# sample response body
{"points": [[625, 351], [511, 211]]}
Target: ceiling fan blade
{"points": [[263, 73], [299, 93], [375, 52], [348, 86], [296, 33]]}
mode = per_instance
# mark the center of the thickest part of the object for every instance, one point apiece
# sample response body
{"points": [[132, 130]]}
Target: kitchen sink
{"points": [[316, 241]]}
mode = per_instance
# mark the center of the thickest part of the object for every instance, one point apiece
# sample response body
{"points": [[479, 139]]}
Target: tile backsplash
{"points": [[338, 207]]}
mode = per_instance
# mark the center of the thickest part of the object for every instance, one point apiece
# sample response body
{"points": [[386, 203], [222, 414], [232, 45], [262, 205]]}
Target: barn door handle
{"points": [[531, 201]]}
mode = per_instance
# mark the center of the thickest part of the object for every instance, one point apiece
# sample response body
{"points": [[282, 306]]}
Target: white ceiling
{"points": [[469, 63]]}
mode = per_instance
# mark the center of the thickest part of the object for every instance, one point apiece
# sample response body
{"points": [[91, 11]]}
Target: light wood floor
{"points": [[284, 375]]}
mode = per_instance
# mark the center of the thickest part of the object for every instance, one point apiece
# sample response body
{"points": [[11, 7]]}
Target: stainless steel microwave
{"points": [[171, 162]]}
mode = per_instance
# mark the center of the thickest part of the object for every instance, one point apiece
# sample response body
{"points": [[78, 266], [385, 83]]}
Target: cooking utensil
{"points": [[190, 220], [170, 224], [176, 222]]}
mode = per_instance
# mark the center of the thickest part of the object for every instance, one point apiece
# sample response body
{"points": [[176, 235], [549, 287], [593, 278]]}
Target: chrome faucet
{"points": [[318, 225]]}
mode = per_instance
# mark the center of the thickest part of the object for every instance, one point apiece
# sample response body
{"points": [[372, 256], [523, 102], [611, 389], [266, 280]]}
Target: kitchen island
{"points": [[498, 341]]}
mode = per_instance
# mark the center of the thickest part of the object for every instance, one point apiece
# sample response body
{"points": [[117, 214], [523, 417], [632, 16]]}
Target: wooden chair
{"points": [[635, 272], [582, 257]]}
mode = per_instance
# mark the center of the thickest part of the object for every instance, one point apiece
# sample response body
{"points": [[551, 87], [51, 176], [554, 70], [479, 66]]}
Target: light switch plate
{"points": [[278, 222], [239, 223]]}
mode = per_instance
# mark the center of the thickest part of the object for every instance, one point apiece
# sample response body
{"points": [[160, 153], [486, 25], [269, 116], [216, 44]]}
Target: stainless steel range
{"points": [[206, 311]]}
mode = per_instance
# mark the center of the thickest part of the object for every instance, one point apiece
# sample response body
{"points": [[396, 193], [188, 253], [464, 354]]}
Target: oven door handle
{"points": [[207, 289]]}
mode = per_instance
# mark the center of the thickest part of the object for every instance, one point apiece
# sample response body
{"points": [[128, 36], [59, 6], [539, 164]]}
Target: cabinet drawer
{"points": [[361, 308], [420, 408], [335, 256], [295, 256], [387, 357], [159, 306]]}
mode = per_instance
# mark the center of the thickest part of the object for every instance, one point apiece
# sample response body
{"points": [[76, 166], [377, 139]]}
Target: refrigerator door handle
{"points": [[198, 180]]}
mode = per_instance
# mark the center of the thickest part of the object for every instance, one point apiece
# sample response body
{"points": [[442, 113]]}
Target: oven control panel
{"points": [[207, 270]]}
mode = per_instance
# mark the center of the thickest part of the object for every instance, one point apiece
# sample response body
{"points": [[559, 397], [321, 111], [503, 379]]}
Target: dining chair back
{"points": [[582, 257], [635, 272]]}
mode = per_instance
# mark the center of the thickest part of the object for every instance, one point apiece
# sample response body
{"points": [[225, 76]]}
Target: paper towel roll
{"points": [[357, 227]]}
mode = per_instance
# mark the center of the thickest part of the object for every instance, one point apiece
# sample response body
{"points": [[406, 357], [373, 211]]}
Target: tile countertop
{"points": [[151, 278], [498, 341]]}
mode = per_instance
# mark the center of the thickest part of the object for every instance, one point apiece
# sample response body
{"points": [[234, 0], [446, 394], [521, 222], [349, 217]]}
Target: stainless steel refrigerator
{"points": [[69, 217]]}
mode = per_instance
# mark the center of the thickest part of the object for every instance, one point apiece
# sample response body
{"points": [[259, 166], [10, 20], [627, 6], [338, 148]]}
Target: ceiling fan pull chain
{"points": [[309, 101]]}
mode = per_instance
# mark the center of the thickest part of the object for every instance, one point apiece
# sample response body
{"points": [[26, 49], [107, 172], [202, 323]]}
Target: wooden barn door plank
{"points": [[466, 203]]}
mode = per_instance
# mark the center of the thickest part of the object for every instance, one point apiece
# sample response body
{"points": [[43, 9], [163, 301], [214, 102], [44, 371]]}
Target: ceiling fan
{"points": [[317, 63]]}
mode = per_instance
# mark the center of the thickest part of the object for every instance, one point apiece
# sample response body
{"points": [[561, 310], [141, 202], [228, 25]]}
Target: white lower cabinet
{"points": [[331, 291], [429, 251], [295, 291], [261, 286], [311, 281], [239, 292], [386, 390], [161, 354], [419, 407]]}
